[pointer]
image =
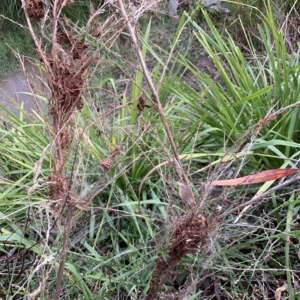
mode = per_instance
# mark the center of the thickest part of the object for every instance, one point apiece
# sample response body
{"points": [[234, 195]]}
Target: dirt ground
{"points": [[15, 88]]}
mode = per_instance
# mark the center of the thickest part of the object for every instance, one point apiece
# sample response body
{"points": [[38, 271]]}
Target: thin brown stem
{"points": [[156, 100], [63, 255]]}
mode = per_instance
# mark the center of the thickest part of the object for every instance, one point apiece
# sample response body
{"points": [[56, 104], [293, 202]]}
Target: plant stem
{"points": [[178, 165], [67, 230]]}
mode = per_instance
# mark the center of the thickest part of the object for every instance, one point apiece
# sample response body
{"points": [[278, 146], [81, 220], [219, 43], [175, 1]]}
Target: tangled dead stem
{"points": [[189, 235]]}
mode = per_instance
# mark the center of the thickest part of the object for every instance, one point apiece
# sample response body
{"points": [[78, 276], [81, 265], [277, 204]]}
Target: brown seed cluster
{"points": [[187, 235], [189, 232], [34, 9]]}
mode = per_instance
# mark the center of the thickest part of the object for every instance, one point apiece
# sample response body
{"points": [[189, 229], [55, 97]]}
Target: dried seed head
{"points": [[185, 193]]}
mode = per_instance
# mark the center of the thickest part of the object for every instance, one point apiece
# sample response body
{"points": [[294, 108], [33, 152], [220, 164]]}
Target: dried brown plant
{"points": [[67, 64]]}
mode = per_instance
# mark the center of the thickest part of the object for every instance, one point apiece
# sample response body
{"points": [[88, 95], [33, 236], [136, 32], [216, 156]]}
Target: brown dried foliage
{"points": [[58, 187], [67, 66], [67, 72], [188, 233], [107, 162], [67, 82], [67, 76], [34, 9], [77, 47], [142, 104]]}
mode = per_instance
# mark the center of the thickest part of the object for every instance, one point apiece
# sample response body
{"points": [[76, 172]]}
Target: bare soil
{"points": [[15, 88]]}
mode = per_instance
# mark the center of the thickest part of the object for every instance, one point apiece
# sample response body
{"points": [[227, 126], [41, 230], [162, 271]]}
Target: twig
{"points": [[14, 22], [157, 104], [63, 255], [37, 42]]}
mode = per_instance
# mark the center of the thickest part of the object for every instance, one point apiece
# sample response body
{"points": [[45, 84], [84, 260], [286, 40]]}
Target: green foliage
{"points": [[78, 11], [25, 163], [23, 44], [21, 147], [240, 107], [12, 36], [11, 9]]}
